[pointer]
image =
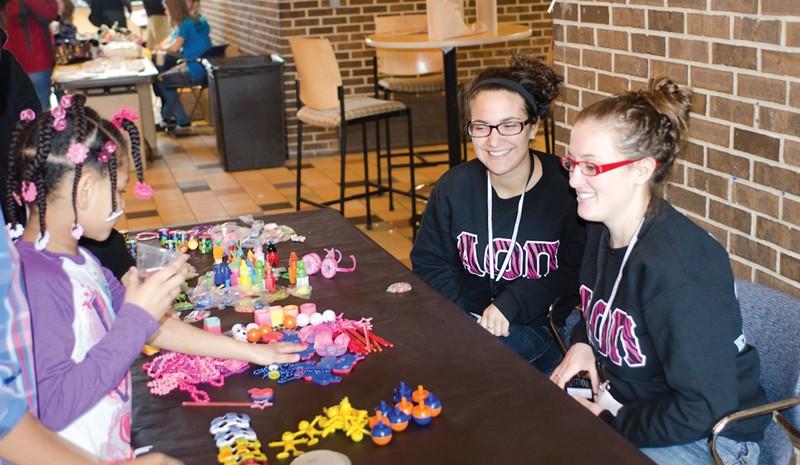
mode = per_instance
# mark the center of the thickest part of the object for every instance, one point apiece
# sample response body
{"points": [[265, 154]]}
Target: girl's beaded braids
{"points": [[38, 155]]}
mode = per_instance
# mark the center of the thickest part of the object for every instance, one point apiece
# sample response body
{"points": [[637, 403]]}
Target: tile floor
{"points": [[191, 186]]}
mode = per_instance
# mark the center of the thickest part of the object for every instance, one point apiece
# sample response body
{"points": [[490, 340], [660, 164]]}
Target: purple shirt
{"points": [[85, 339]]}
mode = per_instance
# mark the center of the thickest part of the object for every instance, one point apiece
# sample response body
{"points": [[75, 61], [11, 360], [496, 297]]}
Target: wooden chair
{"points": [[321, 102], [416, 71]]}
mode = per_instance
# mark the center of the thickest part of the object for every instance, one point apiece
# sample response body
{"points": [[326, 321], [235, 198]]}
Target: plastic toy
{"points": [[236, 440], [378, 418], [383, 407], [398, 420], [312, 262], [315, 319], [405, 406], [174, 370], [308, 428], [434, 403], [289, 322], [274, 336], [276, 315], [398, 288], [253, 335], [422, 414], [419, 394], [302, 277], [381, 434], [212, 325], [239, 332], [302, 320], [227, 438], [289, 444], [308, 308], [400, 391], [330, 264], [290, 310], [262, 317], [150, 350], [228, 421], [196, 315], [293, 268], [328, 316], [261, 394], [272, 255]]}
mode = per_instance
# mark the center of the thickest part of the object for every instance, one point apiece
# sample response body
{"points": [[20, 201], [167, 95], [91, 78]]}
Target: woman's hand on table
{"points": [[494, 321], [579, 358], [155, 458], [280, 352]]}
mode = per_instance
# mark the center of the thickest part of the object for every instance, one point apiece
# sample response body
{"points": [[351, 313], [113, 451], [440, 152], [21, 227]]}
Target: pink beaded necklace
{"points": [[176, 370]]}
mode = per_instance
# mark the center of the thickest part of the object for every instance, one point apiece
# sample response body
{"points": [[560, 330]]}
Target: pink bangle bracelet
{"points": [[146, 236]]}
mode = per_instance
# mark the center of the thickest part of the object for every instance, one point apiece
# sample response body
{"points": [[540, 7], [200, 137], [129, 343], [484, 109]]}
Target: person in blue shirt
{"points": [[190, 39]]}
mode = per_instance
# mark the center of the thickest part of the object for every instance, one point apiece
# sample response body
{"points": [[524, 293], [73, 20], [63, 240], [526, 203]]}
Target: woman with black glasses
{"points": [[660, 311], [500, 236]]}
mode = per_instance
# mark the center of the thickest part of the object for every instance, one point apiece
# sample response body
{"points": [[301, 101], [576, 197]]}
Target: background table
{"points": [[497, 408], [505, 32], [106, 93]]}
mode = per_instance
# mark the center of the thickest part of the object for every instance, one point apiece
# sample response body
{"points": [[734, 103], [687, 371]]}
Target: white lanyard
{"points": [[622, 267], [510, 250]]}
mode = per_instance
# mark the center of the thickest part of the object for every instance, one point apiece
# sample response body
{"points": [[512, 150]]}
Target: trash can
{"points": [[247, 110]]}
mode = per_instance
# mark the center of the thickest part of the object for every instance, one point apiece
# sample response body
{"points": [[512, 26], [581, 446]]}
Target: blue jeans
{"points": [[41, 84], [698, 453], [166, 87], [535, 344]]}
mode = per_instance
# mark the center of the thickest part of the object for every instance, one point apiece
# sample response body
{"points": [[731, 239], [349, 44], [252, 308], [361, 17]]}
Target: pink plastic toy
{"points": [[330, 265], [313, 263]]}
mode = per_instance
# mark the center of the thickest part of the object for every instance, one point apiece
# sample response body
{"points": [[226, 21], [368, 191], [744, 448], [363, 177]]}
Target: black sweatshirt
{"points": [[672, 349], [451, 249]]}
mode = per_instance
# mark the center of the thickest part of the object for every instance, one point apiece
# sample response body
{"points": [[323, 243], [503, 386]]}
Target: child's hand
{"points": [[156, 293], [281, 352], [155, 458]]}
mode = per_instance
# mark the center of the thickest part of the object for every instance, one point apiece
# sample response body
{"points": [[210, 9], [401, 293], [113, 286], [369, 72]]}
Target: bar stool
{"points": [[413, 71], [321, 102]]}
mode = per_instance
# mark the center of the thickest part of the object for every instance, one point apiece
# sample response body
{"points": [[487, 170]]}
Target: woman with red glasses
{"points": [[500, 236], [661, 319]]}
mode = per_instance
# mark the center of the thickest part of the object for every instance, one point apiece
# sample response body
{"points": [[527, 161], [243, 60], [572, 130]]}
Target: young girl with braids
{"points": [[70, 168], [660, 311]]}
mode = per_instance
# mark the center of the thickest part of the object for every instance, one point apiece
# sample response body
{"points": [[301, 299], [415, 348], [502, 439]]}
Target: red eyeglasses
{"points": [[588, 168]]}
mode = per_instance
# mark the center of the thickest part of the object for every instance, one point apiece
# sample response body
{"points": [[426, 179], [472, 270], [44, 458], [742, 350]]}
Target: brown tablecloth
{"points": [[497, 408]]}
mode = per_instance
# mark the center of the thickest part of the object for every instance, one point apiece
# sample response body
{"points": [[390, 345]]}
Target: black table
{"points": [[497, 409]]}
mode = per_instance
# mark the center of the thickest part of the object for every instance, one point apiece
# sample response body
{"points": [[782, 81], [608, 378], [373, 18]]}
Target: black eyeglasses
{"points": [[506, 128]]}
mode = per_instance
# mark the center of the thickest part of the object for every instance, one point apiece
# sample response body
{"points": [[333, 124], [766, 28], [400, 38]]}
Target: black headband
{"points": [[540, 110]]}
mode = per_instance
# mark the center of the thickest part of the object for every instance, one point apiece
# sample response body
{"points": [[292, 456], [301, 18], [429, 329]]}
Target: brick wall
{"points": [[740, 175], [263, 27]]}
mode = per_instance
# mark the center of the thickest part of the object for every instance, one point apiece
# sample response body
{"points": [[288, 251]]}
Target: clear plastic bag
{"points": [[151, 257]]}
